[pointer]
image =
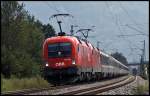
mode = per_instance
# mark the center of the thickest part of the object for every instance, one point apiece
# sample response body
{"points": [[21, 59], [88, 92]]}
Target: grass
{"points": [[24, 83], [142, 89]]}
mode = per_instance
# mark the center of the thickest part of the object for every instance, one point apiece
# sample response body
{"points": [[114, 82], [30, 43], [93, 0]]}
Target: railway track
{"points": [[22, 92], [33, 90], [76, 89], [101, 88]]}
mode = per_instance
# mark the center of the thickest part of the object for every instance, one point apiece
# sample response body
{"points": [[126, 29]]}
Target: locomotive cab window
{"points": [[59, 50]]}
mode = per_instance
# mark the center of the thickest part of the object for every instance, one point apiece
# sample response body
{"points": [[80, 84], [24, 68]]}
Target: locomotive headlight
{"points": [[73, 62], [46, 64]]}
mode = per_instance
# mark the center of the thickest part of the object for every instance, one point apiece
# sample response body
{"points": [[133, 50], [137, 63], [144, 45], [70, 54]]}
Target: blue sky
{"points": [[109, 17]]}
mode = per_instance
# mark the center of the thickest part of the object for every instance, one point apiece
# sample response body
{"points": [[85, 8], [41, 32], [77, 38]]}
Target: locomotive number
{"points": [[60, 64]]}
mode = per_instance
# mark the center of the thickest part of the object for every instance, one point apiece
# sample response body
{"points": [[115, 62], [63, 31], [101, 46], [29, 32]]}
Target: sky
{"points": [[110, 18]]}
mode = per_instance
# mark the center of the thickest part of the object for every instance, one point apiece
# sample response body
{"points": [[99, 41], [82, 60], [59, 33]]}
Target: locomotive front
{"points": [[59, 58]]}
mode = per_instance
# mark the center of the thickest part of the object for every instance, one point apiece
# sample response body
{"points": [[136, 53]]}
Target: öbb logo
{"points": [[60, 64]]}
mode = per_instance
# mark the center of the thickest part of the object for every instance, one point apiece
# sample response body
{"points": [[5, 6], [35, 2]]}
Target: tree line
{"points": [[22, 37], [120, 57]]}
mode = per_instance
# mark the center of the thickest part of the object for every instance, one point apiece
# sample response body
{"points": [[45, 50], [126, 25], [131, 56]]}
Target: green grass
{"points": [[24, 83], [142, 89]]}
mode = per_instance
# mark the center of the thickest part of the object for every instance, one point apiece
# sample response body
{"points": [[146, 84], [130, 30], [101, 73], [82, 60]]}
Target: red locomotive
{"points": [[68, 57]]}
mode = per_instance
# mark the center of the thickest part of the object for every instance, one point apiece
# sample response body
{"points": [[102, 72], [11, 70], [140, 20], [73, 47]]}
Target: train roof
{"points": [[56, 37], [105, 54], [119, 62], [75, 39]]}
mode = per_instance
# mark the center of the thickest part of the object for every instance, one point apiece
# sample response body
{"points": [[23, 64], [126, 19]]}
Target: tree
{"points": [[21, 41], [120, 57], [48, 31], [12, 15]]}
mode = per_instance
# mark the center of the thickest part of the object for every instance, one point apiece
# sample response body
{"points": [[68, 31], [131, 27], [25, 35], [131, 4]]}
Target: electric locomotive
{"points": [[67, 57], [70, 59]]}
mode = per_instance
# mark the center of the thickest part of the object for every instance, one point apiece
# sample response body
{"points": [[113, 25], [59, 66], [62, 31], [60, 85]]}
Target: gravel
{"points": [[128, 89], [77, 87]]}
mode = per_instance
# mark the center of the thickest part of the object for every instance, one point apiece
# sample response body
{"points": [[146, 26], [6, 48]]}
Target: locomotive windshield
{"points": [[59, 50]]}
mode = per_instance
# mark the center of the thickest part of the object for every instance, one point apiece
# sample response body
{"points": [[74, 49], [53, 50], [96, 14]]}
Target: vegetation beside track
{"points": [[142, 89], [14, 83]]}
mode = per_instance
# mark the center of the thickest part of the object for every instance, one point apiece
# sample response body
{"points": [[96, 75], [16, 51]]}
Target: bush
{"points": [[142, 89], [23, 83]]}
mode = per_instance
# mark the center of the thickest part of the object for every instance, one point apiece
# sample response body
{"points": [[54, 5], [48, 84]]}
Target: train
{"points": [[71, 59]]}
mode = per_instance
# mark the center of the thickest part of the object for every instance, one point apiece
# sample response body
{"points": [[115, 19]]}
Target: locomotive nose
{"points": [[60, 63]]}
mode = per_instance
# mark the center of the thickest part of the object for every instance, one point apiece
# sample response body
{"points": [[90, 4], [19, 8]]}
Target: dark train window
{"points": [[53, 47], [65, 46], [80, 41], [87, 44], [93, 46], [78, 48], [59, 50]]}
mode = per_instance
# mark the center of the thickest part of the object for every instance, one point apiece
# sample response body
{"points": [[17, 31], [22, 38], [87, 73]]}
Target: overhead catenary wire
{"points": [[142, 33], [131, 48], [136, 30], [117, 24], [130, 35], [114, 18], [130, 43], [69, 19], [58, 11], [51, 7], [74, 23], [132, 19], [119, 28]]}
